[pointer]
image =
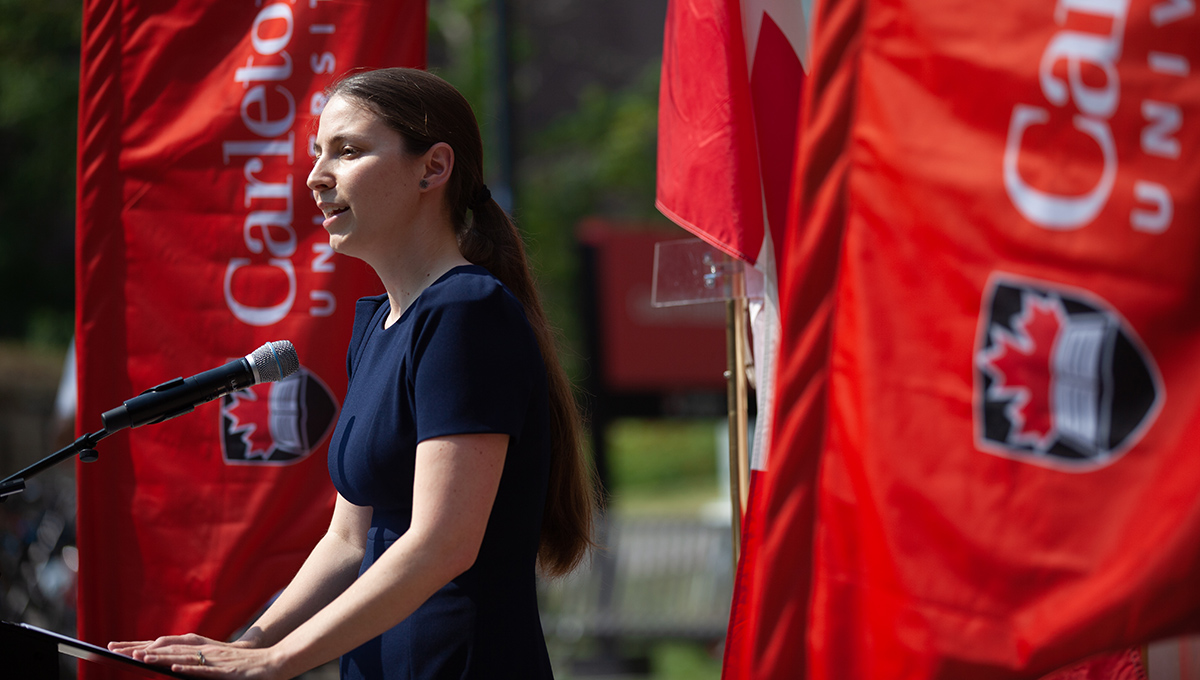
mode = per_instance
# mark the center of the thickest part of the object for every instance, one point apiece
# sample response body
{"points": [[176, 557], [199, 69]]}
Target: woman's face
{"points": [[362, 179]]}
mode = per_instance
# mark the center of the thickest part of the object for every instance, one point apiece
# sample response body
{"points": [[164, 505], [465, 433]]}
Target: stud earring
{"points": [[424, 184]]}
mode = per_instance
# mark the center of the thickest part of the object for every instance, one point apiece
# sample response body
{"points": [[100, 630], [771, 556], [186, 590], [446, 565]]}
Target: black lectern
{"points": [[31, 653]]}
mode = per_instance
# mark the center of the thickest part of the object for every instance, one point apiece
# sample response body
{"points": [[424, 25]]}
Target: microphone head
{"points": [[274, 361]]}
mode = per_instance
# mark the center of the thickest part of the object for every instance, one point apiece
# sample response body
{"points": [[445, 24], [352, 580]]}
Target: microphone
{"points": [[269, 363]]}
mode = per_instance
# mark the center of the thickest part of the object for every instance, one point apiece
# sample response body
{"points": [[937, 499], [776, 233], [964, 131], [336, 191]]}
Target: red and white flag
{"points": [[197, 242], [733, 73], [1008, 480]]}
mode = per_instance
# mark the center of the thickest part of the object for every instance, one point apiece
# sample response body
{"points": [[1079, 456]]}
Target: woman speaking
{"points": [[456, 457]]}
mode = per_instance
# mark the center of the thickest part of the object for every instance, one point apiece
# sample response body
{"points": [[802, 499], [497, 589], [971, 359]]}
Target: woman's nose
{"points": [[319, 177]]}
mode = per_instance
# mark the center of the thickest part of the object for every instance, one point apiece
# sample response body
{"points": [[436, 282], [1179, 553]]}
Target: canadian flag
{"points": [[733, 74]]}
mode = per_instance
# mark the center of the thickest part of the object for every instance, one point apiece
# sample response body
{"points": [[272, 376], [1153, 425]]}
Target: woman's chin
{"points": [[338, 243], [344, 244]]}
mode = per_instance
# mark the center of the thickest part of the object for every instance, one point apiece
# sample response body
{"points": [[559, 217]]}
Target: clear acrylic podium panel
{"points": [[692, 271]]}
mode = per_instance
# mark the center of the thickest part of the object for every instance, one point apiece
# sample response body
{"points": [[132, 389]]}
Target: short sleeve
{"points": [[365, 311], [475, 364]]}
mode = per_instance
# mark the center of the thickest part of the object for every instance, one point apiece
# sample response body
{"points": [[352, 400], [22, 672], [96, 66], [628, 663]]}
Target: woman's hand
{"points": [[204, 657], [137, 649]]}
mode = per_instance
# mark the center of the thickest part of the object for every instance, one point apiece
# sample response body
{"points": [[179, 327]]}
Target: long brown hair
{"points": [[426, 110]]}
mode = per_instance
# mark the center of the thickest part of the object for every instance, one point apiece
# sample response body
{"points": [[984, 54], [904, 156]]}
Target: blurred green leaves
{"points": [[597, 159], [663, 453], [39, 86]]}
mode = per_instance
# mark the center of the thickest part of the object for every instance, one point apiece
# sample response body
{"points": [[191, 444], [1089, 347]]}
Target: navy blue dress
{"points": [[461, 360]]}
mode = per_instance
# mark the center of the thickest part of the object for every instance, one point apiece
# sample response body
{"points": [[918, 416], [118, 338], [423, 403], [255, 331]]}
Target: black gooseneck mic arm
{"points": [[269, 363], [84, 447]]}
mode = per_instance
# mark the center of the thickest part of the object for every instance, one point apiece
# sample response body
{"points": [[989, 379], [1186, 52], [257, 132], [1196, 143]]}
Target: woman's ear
{"points": [[438, 163]]}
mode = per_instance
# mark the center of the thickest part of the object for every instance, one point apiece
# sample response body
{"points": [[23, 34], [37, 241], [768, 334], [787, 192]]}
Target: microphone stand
{"points": [[84, 447]]}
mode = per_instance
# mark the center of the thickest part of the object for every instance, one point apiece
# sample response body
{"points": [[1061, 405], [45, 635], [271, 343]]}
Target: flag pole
{"points": [[736, 389]]}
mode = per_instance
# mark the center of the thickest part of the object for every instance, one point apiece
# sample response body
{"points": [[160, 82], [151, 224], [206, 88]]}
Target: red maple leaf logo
{"points": [[249, 412], [1021, 364]]}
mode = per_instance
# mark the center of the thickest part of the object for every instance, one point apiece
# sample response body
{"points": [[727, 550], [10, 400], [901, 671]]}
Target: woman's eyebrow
{"points": [[333, 141]]}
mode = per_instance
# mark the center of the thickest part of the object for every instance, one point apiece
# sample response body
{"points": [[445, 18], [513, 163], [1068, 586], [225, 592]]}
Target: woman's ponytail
{"points": [[493, 242]]}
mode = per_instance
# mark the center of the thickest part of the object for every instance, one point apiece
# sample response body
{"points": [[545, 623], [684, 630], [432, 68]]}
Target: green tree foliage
{"points": [[460, 41], [39, 89], [595, 160]]}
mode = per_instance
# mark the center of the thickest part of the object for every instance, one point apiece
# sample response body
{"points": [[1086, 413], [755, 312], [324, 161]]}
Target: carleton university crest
{"points": [[276, 423], [1060, 378]]}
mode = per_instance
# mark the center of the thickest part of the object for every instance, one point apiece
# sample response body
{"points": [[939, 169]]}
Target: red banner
{"points": [[769, 623], [1008, 481], [198, 241], [1128, 664]]}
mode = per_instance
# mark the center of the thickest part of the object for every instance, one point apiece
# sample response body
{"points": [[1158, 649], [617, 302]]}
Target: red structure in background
{"points": [[645, 361], [646, 349]]}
